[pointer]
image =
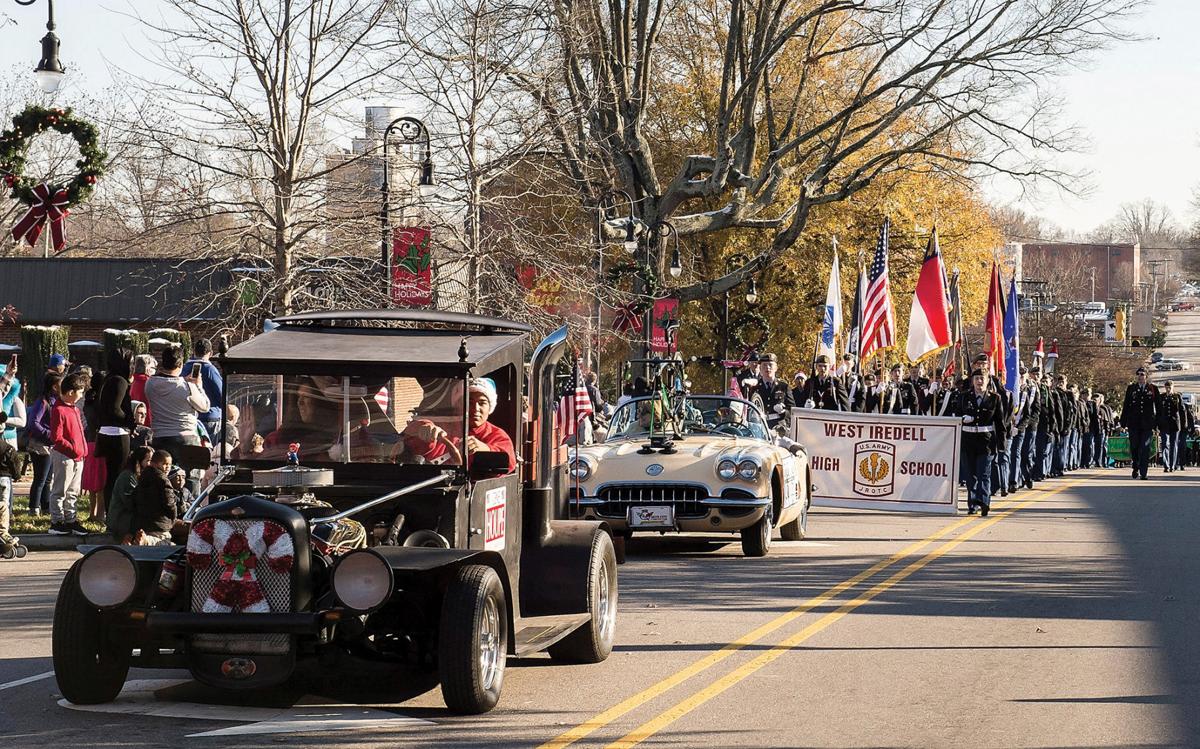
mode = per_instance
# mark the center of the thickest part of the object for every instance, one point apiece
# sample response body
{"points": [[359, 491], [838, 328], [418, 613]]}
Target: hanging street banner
{"points": [[664, 325], [412, 272], [881, 461]]}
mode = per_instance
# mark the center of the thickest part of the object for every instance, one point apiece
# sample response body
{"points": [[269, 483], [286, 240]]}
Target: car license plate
{"points": [[662, 516]]}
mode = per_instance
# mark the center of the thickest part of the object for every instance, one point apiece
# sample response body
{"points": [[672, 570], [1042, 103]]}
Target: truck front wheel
{"points": [[89, 668], [473, 640]]}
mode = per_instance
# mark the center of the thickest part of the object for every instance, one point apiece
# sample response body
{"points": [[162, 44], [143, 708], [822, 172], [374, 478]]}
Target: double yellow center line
{"points": [[682, 708]]}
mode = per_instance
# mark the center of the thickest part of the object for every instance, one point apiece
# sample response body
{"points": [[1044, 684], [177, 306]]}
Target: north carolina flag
{"points": [[929, 321], [831, 325]]}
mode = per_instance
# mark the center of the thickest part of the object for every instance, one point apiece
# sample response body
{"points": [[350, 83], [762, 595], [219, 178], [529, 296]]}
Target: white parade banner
{"points": [[881, 461]]}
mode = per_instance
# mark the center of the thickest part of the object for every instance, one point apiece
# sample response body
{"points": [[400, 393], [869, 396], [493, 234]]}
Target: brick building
{"points": [[91, 294], [1115, 269]]}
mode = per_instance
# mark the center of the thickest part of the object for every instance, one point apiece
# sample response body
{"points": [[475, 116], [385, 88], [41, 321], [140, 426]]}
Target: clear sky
{"points": [[1139, 104]]}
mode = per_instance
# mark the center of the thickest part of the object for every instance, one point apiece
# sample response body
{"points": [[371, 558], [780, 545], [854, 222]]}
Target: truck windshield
{"points": [[401, 419]]}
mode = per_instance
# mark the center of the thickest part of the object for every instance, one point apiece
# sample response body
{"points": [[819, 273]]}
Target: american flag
{"points": [[879, 319], [574, 406]]}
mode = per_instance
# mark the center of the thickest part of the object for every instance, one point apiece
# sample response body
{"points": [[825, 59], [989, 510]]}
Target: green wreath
{"points": [[741, 326], [652, 288], [14, 147]]}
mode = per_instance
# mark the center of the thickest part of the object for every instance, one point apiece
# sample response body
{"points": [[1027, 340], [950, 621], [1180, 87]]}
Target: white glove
{"points": [[968, 419], [778, 408], [809, 403], [904, 410]]}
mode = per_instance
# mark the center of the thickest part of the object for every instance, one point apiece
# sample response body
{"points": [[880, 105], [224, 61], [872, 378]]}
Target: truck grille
{"points": [[617, 499], [266, 584]]}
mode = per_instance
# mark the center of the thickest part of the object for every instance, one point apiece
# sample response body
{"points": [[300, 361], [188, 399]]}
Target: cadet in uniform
{"points": [[1138, 415], [1169, 412], [1047, 431], [1024, 429], [775, 394], [823, 390], [900, 396], [980, 412]]}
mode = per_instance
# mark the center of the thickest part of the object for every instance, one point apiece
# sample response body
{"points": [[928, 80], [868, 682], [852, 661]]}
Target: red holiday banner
{"points": [[412, 269], [544, 291], [664, 325]]}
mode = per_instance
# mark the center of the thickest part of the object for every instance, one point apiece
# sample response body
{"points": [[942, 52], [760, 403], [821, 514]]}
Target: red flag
{"points": [[929, 322], [993, 325]]}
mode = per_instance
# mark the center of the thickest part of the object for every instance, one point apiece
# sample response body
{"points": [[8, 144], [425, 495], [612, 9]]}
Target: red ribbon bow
{"points": [[46, 205], [627, 319]]}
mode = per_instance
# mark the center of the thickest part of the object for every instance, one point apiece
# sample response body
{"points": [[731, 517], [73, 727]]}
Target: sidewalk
{"points": [[47, 542]]}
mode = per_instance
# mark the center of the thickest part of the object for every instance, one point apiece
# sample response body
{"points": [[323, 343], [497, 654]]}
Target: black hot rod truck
{"points": [[343, 520]]}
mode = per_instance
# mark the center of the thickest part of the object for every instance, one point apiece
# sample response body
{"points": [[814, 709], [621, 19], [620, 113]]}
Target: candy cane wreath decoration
{"points": [[238, 552]]}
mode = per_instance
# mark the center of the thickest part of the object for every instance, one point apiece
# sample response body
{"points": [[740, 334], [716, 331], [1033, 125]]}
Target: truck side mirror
{"points": [[488, 465]]}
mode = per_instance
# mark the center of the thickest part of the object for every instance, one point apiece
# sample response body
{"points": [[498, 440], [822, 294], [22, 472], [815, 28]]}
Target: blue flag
{"points": [[1012, 354]]}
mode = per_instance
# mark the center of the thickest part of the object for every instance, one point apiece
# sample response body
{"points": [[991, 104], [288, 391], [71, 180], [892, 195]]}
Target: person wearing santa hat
{"points": [[426, 439]]}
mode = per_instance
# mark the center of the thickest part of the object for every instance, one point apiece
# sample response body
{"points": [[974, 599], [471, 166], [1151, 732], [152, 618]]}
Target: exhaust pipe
{"points": [[545, 359], [539, 496]]}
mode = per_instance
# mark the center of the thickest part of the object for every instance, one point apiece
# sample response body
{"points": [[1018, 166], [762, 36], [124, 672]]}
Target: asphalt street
{"points": [[1066, 618]]}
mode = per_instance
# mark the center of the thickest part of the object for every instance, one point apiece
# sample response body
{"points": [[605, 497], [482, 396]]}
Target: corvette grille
{"points": [[617, 499]]}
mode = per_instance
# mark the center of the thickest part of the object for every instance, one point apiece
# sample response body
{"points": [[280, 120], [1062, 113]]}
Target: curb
{"points": [[47, 542]]}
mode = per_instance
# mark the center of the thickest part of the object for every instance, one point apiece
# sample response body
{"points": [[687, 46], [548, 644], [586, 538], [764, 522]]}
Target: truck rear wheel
{"points": [[593, 642], [473, 640], [88, 667]]}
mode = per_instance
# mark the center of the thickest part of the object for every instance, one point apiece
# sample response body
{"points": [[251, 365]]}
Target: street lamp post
{"points": [[410, 130], [735, 260], [605, 211], [49, 70]]}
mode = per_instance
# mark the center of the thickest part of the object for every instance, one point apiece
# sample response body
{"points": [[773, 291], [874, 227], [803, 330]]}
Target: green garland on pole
{"points": [[740, 327], [34, 120]]}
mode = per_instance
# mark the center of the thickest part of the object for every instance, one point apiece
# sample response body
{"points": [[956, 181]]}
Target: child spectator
{"points": [[155, 505], [37, 429], [10, 471], [142, 435], [120, 511], [68, 449]]}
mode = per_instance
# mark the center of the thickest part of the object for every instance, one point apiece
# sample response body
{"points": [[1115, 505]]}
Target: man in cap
{"points": [[1139, 415], [1169, 410], [1047, 429], [980, 411], [775, 394], [57, 365], [823, 390], [900, 395]]}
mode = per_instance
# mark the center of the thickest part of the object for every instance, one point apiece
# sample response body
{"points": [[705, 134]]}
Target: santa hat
{"points": [[1040, 351]]}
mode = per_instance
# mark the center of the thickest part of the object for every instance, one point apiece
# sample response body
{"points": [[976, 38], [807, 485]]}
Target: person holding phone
{"points": [[201, 368], [177, 402]]}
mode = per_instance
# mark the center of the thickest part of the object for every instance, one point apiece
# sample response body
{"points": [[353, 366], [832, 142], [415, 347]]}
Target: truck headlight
{"points": [[749, 469], [362, 580], [580, 469], [727, 469], [107, 577]]}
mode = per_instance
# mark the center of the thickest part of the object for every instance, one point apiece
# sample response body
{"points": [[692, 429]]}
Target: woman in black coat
{"points": [[115, 413]]}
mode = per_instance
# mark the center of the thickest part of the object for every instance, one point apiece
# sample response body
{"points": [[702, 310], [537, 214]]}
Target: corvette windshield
{"points": [[696, 415]]}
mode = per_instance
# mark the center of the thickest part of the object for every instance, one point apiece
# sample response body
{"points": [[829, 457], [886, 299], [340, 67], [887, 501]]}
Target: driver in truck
{"points": [[425, 438]]}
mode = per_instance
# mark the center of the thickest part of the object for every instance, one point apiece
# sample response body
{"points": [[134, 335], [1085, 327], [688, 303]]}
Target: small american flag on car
{"points": [[574, 406]]}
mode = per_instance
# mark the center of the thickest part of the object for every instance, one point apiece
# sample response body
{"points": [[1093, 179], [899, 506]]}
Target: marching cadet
{"points": [[1169, 410], [1024, 431], [1189, 425], [823, 390], [1104, 419], [920, 384], [1047, 438], [900, 396], [943, 396], [868, 399], [775, 394], [1065, 420], [980, 412], [1138, 415]]}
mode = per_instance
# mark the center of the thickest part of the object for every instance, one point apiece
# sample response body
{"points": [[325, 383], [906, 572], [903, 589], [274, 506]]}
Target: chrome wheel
{"points": [[606, 603], [490, 643]]}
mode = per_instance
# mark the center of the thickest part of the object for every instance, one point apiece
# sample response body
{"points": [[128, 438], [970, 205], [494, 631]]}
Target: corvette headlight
{"points": [[749, 469], [727, 469], [362, 580], [580, 469], [107, 577]]}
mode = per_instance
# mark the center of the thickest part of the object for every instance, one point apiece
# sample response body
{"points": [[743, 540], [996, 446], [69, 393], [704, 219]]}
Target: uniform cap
{"points": [[768, 357], [979, 373], [1140, 370], [822, 359]]}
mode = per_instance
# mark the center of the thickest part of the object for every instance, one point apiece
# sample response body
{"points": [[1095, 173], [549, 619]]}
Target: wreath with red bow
{"points": [[48, 203]]}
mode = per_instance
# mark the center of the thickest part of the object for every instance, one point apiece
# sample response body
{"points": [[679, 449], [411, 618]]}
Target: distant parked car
{"points": [[1156, 357]]}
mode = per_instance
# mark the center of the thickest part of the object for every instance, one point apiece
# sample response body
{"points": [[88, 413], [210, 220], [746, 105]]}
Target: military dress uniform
{"points": [[776, 399], [1189, 424], [824, 393], [1139, 416], [1047, 438], [1024, 418], [1169, 413], [982, 422], [900, 398]]}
